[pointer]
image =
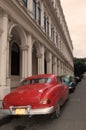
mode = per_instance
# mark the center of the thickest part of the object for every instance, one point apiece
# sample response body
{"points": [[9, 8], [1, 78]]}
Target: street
{"points": [[73, 116]]}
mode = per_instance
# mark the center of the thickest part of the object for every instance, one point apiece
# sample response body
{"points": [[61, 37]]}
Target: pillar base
{"points": [[4, 90]]}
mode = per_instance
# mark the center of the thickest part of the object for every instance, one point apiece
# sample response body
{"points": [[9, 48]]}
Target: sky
{"points": [[75, 15]]}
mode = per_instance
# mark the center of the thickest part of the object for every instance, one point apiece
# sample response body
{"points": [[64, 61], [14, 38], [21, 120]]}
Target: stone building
{"points": [[34, 39]]}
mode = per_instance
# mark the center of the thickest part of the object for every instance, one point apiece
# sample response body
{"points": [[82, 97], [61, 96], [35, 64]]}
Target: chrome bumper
{"points": [[42, 111]]}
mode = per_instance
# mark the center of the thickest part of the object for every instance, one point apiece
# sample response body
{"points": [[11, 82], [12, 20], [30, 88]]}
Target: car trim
{"points": [[42, 111]]}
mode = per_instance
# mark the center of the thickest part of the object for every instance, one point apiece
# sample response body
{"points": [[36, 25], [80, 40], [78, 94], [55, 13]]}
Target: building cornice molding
{"points": [[57, 21]]}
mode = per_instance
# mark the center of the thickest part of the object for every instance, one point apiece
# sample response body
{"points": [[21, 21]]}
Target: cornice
{"points": [[57, 22]]}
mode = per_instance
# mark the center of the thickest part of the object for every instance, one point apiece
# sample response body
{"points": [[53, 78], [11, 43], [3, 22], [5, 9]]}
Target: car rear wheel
{"points": [[56, 113]]}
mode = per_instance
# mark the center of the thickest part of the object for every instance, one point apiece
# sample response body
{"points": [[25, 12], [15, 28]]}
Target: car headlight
{"points": [[45, 101]]}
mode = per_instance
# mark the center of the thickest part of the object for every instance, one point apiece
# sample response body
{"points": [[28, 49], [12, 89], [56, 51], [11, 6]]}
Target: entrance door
{"points": [[15, 64], [34, 61]]}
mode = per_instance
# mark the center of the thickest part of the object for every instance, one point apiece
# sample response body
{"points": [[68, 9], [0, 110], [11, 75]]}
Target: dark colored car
{"points": [[70, 82]]}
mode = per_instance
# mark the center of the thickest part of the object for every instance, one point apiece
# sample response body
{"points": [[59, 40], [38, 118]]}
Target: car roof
{"points": [[41, 76]]}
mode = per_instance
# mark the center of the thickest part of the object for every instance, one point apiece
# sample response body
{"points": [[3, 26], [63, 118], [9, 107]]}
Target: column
{"points": [[49, 63], [3, 56], [59, 64], [29, 42], [41, 61], [39, 56], [55, 65], [65, 68], [8, 62], [22, 64], [24, 61], [3, 51], [60, 68], [8, 41], [0, 51]]}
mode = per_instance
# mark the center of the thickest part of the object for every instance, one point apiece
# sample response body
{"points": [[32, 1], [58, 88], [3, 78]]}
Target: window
{"points": [[15, 59], [56, 40], [25, 2], [52, 32], [39, 14], [47, 26], [36, 81], [45, 20], [60, 43], [34, 9]]}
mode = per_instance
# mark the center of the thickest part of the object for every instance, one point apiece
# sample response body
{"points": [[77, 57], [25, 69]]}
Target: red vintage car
{"points": [[40, 94]]}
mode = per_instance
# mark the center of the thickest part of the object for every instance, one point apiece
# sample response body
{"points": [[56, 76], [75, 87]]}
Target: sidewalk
{"points": [[1, 115], [0, 103]]}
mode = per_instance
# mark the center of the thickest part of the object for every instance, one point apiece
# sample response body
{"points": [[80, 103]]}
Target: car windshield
{"points": [[35, 81]]}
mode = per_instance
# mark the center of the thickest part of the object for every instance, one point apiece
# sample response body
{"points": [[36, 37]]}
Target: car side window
{"points": [[25, 82], [58, 80], [41, 80]]}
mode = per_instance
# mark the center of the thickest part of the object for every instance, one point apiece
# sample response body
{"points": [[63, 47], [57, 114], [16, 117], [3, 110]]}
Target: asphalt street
{"points": [[73, 116]]}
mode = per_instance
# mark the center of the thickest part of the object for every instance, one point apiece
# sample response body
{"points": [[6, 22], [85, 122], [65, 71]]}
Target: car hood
{"points": [[26, 95]]}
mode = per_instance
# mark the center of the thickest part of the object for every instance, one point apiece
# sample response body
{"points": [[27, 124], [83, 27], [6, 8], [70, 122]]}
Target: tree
{"points": [[79, 66]]}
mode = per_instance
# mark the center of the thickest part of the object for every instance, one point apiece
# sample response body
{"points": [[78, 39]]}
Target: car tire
{"points": [[56, 113]]}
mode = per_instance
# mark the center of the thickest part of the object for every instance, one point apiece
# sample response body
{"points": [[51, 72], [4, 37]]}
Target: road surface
{"points": [[73, 116]]}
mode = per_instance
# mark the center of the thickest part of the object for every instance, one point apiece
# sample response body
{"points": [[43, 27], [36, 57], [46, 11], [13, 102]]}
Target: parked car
{"points": [[36, 95], [78, 79], [69, 81]]}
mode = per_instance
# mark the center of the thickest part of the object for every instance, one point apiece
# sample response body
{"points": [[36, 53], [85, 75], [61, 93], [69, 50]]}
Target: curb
{"points": [[0, 104], [2, 116]]}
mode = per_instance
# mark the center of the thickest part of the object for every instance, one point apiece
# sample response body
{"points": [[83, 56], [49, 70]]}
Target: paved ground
{"points": [[73, 116]]}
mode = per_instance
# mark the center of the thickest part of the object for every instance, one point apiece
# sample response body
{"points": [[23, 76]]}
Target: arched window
{"points": [[15, 59], [45, 21], [39, 13], [48, 26], [34, 8], [34, 60]]}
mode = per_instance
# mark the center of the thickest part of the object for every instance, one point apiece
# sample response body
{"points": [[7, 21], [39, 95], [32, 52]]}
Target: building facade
{"points": [[34, 39]]}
